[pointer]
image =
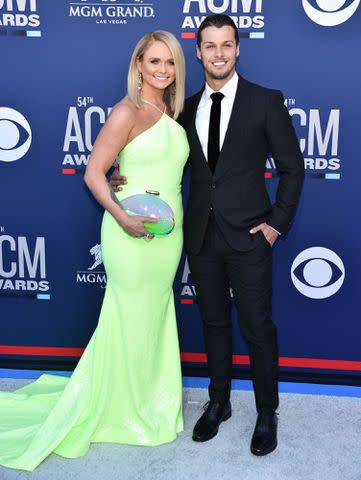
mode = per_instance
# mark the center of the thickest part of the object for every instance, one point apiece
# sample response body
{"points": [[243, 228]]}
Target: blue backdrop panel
{"points": [[64, 65]]}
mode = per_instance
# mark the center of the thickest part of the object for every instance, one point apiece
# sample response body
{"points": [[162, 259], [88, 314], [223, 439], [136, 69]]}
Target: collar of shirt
{"points": [[204, 111]]}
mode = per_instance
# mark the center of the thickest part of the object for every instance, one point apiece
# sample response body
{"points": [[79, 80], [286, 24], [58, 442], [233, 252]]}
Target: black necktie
{"points": [[213, 133]]}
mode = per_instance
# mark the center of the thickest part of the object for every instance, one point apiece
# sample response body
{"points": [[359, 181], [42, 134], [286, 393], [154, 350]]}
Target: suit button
{"points": [[211, 208]]}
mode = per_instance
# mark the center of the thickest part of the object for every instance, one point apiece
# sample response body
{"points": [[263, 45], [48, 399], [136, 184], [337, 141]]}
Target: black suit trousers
{"points": [[215, 269]]}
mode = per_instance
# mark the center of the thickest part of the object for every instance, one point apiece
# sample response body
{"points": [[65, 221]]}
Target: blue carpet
{"points": [[200, 382]]}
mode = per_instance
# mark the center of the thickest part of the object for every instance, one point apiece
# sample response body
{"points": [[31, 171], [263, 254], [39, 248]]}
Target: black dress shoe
{"points": [[207, 426], [264, 438]]}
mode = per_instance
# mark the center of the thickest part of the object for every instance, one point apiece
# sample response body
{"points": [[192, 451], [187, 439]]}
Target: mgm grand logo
{"points": [[93, 274], [111, 11]]}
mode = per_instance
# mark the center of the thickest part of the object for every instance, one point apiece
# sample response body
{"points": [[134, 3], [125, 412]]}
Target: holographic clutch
{"points": [[150, 205]]}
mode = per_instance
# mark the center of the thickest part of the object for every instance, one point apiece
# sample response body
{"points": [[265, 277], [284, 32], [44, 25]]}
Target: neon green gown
{"points": [[127, 385]]}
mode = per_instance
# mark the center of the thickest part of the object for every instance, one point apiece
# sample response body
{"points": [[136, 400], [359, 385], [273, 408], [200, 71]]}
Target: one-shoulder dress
{"points": [[127, 385]]}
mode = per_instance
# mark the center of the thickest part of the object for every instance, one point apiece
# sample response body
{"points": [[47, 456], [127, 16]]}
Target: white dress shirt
{"points": [[204, 112]]}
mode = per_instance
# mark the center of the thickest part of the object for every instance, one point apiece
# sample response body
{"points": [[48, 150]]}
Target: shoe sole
{"points": [[264, 452], [205, 439]]}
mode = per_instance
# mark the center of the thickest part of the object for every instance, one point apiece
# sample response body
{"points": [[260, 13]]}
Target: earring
{"points": [[140, 81]]}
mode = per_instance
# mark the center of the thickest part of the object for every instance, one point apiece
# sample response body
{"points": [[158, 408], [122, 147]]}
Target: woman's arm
{"points": [[111, 140]]}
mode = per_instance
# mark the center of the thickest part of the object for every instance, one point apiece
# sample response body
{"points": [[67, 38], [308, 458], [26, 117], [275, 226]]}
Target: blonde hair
{"points": [[174, 100]]}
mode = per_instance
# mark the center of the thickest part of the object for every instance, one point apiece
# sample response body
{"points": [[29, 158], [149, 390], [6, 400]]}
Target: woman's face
{"points": [[157, 66]]}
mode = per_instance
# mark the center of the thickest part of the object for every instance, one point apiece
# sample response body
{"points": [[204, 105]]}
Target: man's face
{"points": [[218, 52]]}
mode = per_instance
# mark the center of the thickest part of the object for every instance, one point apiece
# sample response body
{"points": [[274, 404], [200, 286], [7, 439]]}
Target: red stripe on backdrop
{"points": [[68, 171], [317, 363], [188, 35], [41, 351]]}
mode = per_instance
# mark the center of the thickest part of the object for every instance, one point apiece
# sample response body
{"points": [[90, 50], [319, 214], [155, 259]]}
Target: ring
{"points": [[147, 235]]}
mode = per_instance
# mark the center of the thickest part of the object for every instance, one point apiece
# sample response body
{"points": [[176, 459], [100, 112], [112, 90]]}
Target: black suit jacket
{"points": [[236, 192]]}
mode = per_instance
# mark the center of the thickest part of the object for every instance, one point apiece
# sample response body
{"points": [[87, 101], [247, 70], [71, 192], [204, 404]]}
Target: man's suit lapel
{"points": [[236, 128]]}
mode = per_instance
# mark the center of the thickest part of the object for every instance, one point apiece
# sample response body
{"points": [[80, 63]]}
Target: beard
{"points": [[214, 75]]}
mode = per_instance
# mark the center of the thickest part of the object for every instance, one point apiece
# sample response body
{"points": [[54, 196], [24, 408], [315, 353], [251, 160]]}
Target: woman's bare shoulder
{"points": [[125, 111]]}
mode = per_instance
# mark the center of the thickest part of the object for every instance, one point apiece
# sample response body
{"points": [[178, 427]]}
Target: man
{"points": [[230, 224]]}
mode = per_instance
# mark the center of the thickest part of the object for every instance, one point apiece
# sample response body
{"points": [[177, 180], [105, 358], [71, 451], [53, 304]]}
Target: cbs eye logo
{"points": [[330, 12], [15, 135], [318, 272]]}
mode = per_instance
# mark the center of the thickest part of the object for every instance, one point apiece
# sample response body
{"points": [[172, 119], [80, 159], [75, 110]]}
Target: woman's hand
{"points": [[134, 225]]}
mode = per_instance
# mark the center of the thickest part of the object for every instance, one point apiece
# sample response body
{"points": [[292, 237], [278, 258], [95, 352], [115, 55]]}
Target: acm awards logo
{"points": [[330, 13], [246, 14], [111, 12], [94, 274], [83, 123], [318, 132], [23, 266], [318, 272], [15, 135], [20, 13], [188, 292]]}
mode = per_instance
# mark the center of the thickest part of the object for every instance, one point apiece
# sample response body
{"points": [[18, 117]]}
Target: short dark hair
{"points": [[217, 20]]}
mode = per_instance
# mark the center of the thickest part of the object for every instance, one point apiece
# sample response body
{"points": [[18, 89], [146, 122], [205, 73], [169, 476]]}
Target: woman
{"points": [[126, 387]]}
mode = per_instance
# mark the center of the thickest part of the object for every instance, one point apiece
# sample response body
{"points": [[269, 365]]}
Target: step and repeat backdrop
{"points": [[64, 65]]}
